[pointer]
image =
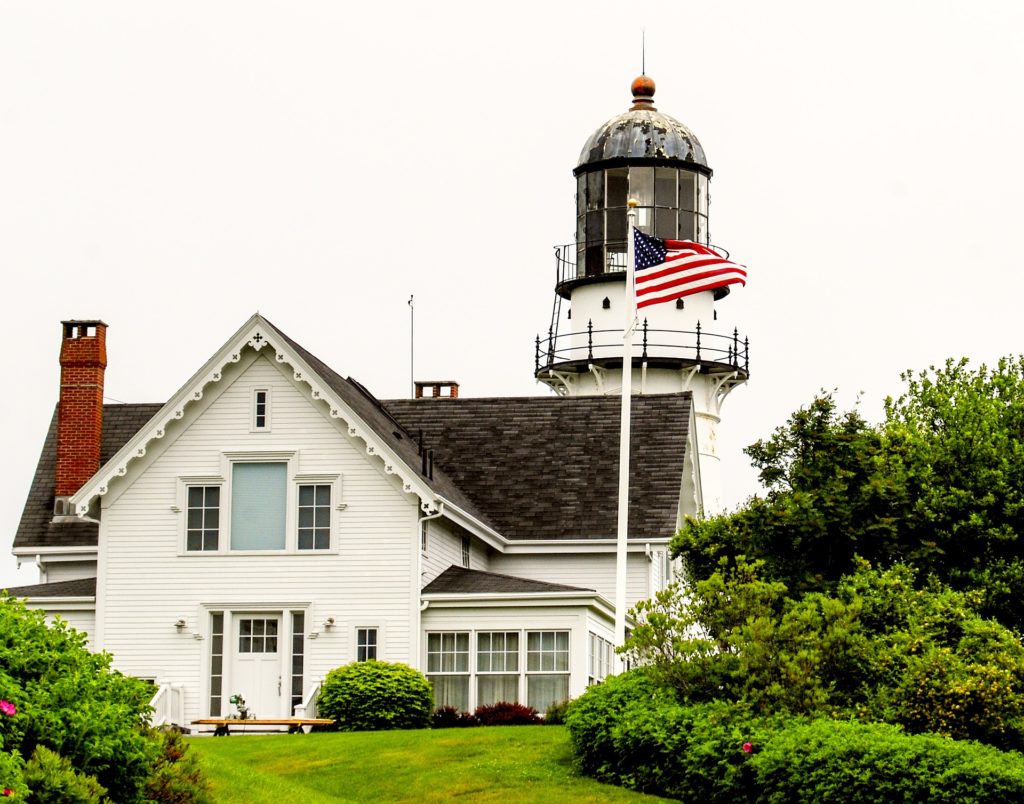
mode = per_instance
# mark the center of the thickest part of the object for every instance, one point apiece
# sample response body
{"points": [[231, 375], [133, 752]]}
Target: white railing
{"points": [[168, 704], [307, 709]]}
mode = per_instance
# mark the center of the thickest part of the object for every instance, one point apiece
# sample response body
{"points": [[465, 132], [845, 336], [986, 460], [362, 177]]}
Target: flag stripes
{"points": [[671, 269]]}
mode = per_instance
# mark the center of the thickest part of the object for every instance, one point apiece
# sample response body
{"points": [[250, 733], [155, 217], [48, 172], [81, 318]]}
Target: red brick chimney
{"points": [[83, 358]]}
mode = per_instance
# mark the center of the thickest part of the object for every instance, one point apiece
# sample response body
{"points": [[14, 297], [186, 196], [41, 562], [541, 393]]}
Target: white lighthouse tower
{"points": [[685, 345]]}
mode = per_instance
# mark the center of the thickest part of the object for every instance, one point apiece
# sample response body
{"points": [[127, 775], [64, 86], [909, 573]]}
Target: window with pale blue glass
{"points": [[315, 516], [258, 506]]}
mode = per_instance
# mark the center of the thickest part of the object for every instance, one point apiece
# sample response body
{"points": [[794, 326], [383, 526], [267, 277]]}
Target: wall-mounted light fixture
{"points": [[180, 624], [328, 623]]}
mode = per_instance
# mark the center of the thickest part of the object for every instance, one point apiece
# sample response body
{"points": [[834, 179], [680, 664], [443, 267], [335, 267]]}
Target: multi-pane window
{"points": [[497, 665], [465, 551], [261, 409], [547, 668], [600, 659], [315, 517], [448, 668], [298, 656], [258, 502], [216, 662], [203, 518], [257, 635], [366, 644]]}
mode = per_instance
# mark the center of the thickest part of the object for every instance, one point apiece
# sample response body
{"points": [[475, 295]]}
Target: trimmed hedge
{"points": [[375, 695], [505, 713], [632, 732]]}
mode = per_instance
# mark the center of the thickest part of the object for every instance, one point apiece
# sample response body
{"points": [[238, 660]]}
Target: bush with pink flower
{"points": [[71, 727]]}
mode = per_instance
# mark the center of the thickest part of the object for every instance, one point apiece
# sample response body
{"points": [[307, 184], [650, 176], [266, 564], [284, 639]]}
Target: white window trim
{"points": [[253, 390], [293, 480], [523, 673], [355, 640]]}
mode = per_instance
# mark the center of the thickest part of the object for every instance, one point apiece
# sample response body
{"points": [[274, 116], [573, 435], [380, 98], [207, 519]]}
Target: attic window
{"points": [[261, 410]]}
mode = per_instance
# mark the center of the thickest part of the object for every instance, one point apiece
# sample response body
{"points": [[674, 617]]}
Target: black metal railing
{"points": [[610, 257], [692, 346]]}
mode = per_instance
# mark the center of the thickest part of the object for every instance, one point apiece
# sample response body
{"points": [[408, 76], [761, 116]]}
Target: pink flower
{"points": [[8, 708], [8, 791], [748, 748]]}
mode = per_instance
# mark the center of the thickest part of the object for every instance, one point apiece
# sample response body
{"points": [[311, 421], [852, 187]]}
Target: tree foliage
{"points": [[876, 648], [938, 485]]}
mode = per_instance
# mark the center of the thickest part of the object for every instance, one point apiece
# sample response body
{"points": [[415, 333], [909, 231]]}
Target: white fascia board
{"points": [[258, 334], [59, 604], [58, 553], [577, 546], [522, 600], [473, 525]]}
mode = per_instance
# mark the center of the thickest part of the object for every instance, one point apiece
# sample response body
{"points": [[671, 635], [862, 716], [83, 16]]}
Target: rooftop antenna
{"points": [[412, 350]]}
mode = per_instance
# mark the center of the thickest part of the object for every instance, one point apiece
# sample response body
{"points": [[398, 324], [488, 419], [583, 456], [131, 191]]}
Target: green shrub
{"points": [[593, 716], [176, 776], [505, 713], [555, 715], [70, 701], [12, 780], [52, 778], [870, 762], [629, 732], [448, 717], [375, 695]]}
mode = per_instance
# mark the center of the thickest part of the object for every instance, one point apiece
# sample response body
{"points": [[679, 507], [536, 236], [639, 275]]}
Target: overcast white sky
{"points": [[173, 167]]}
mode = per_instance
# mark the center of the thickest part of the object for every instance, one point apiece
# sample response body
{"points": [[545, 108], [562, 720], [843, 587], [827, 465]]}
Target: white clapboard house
{"points": [[274, 520]]}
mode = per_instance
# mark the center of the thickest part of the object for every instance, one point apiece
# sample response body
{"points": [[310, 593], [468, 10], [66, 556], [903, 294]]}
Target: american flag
{"points": [[670, 269]]}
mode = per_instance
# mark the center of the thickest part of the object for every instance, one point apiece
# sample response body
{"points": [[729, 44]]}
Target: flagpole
{"points": [[627, 399]]}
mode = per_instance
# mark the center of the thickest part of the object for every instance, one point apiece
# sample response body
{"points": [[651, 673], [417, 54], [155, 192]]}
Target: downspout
{"points": [[420, 533]]}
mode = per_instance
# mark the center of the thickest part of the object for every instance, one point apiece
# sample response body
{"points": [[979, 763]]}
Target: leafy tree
{"points": [[939, 485]]}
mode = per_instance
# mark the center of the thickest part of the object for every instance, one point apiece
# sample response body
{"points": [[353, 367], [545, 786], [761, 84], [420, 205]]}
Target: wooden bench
{"points": [[295, 724]]}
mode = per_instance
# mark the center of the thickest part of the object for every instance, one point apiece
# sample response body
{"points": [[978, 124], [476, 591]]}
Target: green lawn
{"points": [[521, 763]]}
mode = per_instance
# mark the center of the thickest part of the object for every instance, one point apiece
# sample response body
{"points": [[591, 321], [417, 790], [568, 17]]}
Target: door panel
{"points": [[257, 664]]}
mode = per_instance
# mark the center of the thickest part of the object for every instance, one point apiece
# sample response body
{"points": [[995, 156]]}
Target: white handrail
{"points": [[168, 705], [307, 709]]}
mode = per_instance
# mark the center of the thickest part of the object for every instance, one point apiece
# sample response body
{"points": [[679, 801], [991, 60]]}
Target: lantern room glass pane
{"points": [[618, 187], [641, 185], [616, 222], [595, 190], [665, 187], [702, 194], [665, 223], [581, 194], [595, 227], [687, 191], [687, 226]]}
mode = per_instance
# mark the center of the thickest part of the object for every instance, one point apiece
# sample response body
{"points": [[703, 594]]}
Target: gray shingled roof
{"points": [[459, 580], [37, 528], [547, 467], [529, 467], [80, 587]]}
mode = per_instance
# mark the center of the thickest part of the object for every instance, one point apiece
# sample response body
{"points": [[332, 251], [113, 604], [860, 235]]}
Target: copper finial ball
{"points": [[643, 94], [643, 87]]}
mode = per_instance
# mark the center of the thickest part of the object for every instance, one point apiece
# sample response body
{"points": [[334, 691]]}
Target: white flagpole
{"points": [[627, 394]]}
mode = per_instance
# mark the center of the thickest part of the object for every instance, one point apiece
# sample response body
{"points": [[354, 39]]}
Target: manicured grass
{"points": [[502, 763]]}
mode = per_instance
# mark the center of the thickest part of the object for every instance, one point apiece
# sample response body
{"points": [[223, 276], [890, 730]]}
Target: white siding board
{"points": [[68, 571]]}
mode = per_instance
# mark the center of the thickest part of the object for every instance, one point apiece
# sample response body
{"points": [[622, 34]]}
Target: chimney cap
{"points": [[86, 321]]}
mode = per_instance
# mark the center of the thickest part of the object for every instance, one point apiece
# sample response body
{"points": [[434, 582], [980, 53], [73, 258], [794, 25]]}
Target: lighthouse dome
{"points": [[643, 133]]}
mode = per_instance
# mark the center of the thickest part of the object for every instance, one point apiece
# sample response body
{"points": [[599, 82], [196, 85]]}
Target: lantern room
{"points": [[652, 158]]}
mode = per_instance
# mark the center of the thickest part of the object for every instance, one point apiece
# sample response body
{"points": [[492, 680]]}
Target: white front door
{"points": [[257, 664]]}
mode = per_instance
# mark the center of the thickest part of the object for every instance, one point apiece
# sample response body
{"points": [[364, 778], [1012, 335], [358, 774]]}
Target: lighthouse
{"points": [[645, 160]]}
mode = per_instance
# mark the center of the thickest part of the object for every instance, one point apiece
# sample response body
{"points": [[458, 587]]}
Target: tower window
{"points": [[606, 304]]}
